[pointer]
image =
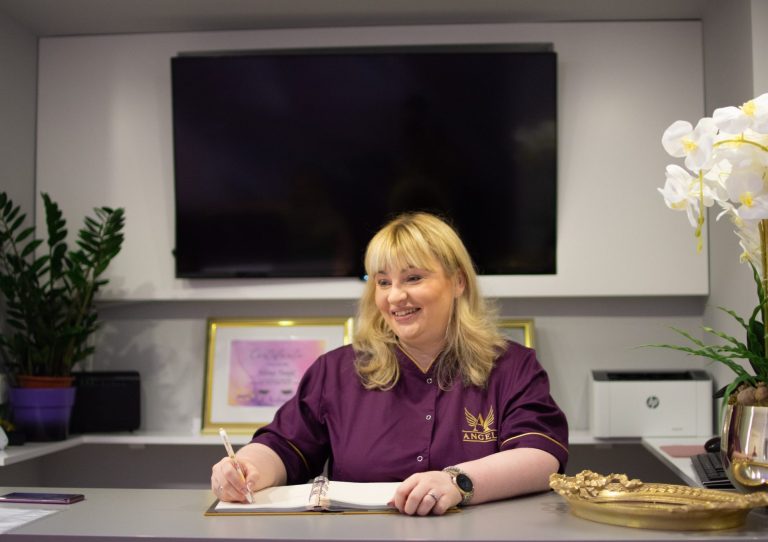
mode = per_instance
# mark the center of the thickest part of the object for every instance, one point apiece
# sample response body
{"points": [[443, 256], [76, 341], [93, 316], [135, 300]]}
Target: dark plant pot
{"points": [[42, 413]]}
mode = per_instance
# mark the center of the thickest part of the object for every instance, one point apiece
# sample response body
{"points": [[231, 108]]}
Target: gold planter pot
{"points": [[744, 447]]}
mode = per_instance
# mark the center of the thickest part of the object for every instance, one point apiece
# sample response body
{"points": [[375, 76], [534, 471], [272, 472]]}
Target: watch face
{"points": [[464, 483]]}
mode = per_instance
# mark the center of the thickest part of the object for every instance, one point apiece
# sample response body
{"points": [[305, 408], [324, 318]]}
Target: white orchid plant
{"points": [[726, 163]]}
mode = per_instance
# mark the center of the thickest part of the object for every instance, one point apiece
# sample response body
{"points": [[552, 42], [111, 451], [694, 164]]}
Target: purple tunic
{"points": [[385, 436]]}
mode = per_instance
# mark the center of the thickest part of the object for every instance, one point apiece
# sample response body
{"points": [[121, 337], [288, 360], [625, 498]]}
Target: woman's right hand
{"points": [[261, 466], [226, 482]]}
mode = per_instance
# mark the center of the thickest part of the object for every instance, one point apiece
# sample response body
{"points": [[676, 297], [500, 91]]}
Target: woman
{"points": [[429, 392]]}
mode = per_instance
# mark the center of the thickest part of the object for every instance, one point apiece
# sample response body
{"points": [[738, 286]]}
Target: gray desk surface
{"points": [[177, 514]]}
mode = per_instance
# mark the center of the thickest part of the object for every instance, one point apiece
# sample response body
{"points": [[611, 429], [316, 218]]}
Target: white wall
{"points": [[105, 138], [165, 342], [18, 97], [759, 18]]}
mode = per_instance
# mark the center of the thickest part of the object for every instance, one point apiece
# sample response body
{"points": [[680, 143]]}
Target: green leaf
{"points": [[37, 265], [24, 234], [11, 215], [31, 247], [18, 222]]}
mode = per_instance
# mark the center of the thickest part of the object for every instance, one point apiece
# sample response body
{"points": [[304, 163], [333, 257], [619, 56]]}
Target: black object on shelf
{"points": [[16, 438], [106, 401], [709, 468]]}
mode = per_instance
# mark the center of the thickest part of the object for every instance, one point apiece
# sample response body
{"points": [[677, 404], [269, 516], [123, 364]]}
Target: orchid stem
{"points": [[762, 227], [702, 211]]}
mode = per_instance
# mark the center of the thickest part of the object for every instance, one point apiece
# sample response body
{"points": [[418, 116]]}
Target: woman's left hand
{"points": [[426, 493]]}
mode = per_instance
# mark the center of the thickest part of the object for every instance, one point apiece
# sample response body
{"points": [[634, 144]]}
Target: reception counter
{"points": [[177, 514]]}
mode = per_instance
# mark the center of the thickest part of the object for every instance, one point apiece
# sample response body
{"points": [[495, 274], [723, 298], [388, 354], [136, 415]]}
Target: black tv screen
{"points": [[287, 163]]}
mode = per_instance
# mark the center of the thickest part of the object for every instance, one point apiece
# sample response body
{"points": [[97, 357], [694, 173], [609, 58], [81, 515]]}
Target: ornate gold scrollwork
{"points": [[619, 500]]}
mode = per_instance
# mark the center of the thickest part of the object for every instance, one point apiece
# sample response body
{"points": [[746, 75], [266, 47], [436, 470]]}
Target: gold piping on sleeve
{"points": [[301, 455], [536, 434]]}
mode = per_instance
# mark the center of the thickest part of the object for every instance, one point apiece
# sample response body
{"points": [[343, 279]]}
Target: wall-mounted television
{"points": [[287, 162]]}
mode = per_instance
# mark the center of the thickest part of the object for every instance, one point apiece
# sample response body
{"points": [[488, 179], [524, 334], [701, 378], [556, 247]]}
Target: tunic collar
{"points": [[408, 363]]}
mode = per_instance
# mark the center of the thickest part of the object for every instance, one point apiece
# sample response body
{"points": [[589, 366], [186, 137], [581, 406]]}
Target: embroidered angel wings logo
{"points": [[480, 427]]}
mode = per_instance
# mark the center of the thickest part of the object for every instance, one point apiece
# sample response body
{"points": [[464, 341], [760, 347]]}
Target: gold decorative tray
{"points": [[617, 500]]}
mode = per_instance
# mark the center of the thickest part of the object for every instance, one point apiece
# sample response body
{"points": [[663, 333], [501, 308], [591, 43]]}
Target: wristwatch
{"points": [[462, 482]]}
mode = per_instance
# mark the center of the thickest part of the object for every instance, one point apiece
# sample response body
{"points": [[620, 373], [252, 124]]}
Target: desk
{"points": [[172, 514], [682, 466]]}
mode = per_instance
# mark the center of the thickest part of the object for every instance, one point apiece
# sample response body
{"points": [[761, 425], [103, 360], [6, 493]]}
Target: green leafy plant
{"points": [[746, 388], [48, 289]]}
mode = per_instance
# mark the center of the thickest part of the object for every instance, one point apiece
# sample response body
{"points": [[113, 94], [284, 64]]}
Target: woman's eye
{"points": [[413, 278], [382, 283]]}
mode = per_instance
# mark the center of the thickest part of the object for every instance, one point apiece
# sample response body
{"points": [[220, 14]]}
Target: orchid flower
{"points": [[747, 187], [753, 114], [749, 240], [683, 192], [728, 156], [716, 178], [695, 144]]}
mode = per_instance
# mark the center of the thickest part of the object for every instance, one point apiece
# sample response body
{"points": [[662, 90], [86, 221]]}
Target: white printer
{"points": [[651, 404]]}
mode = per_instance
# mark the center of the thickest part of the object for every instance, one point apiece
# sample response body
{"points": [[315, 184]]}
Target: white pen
{"points": [[231, 454]]}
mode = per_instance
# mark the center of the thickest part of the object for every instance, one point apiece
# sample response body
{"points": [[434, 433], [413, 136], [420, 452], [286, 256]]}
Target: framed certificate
{"points": [[254, 366], [519, 330]]}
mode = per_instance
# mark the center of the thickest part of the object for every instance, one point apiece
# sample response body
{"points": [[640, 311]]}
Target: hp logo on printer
{"points": [[652, 401]]}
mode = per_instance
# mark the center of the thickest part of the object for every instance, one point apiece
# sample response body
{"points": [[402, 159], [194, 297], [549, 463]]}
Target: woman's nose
{"points": [[396, 294]]}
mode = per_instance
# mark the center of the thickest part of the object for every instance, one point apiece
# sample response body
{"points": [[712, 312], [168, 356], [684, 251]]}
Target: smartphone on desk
{"points": [[42, 498]]}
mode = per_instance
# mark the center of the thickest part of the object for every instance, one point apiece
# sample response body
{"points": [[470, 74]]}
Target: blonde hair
{"points": [[473, 341]]}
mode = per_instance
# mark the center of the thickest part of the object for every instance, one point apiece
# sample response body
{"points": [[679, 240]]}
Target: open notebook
{"points": [[322, 495]]}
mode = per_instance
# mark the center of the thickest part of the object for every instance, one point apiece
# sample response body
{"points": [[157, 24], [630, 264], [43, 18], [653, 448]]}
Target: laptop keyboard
{"points": [[709, 468]]}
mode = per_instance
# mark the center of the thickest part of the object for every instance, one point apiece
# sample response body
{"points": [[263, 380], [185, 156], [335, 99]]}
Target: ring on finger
{"points": [[430, 494]]}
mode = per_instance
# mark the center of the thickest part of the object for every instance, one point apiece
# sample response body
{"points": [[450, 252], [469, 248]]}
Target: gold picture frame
{"points": [[254, 365], [618, 500], [519, 330]]}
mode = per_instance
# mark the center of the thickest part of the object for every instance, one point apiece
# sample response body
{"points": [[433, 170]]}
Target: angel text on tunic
{"points": [[479, 427]]}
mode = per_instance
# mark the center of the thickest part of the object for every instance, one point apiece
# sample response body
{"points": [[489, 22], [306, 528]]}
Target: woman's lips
{"points": [[404, 314]]}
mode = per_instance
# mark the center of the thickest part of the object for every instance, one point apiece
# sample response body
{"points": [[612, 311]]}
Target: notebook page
{"points": [[364, 496], [280, 498]]}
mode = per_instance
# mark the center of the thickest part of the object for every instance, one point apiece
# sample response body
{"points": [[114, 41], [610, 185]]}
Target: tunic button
{"points": [[420, 459], [429, 416], [429, 380]]}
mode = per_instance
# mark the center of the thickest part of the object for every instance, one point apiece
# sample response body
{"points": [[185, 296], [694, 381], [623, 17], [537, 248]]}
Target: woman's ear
{"points": [[461, 283]]}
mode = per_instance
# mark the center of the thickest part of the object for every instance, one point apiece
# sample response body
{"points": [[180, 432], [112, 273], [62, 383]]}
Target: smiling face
{"points": [[416, 304]]}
